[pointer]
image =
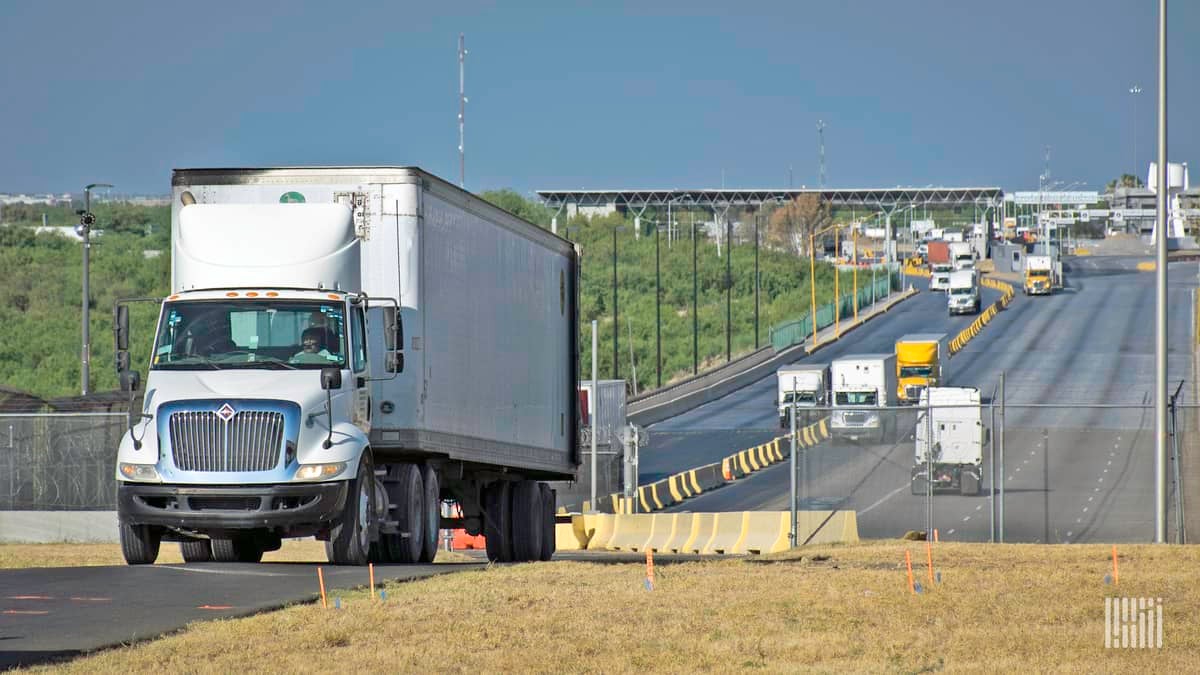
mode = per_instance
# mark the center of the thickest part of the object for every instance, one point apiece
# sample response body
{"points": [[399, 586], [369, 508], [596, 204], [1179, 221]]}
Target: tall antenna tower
{"points": [[821, 152], [462, 111]]}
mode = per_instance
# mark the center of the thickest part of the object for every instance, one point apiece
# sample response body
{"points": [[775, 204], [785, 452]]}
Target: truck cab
{"points": [[920, 360], [1039, 275], [863, 389], [802, 388], [963, 297]]}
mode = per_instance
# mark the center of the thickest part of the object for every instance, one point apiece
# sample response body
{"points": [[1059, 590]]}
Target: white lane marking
{"points": [[1091, 498], [1024, 461], [224, 571], [950, 531], [979, 508], [1109, 463], [1018, 468], [886, 497], [966, 518], [1010, 477], [1106, 471], [1079, 520], [1069, 535], [1095, 489], [1100, 479]]}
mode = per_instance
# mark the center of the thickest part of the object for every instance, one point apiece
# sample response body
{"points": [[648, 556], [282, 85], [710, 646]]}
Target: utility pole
{"points": [[462, 111], [1160, 293], [821, 152], [695, 303], [728, 290], [84, 229], [657, 310], [616, 324], [1135, 90]]}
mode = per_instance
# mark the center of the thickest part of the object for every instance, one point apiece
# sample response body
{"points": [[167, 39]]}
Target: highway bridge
{"points": [[1072, 474]]}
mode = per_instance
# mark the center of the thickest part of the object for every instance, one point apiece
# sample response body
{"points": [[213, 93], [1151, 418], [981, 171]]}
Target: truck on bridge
{"points": [[342, 349], [920, 360], [803, 387]]}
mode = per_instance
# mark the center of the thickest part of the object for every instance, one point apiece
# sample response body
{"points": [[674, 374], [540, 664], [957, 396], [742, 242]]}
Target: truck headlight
{"points": [[144, 473], [320, 471]]}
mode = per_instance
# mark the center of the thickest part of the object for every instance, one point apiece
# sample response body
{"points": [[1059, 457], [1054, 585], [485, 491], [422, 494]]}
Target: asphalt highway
{"points": [[1071, 474], [50, 614]]}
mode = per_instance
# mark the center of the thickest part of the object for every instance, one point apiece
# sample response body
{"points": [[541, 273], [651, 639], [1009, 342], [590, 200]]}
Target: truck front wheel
{"points": [[139, 543], [350, 541]]}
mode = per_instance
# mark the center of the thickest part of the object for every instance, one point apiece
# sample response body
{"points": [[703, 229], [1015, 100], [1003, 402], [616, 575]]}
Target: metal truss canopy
{"points": [[885, 199]]}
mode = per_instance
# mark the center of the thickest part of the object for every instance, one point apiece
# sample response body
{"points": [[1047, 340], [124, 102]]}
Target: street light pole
{"points": [[85, 230], [1135, 90], [728, 290], [1160, 304], [756, 281], [616, 326], [658, 307], [812, 283], [695, 308]]}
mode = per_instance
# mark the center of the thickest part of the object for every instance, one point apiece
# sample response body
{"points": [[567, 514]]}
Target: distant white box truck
{"points": [[342, 349], [804, 386], [963, 297], [949, 441], [962, 257], [863, 386]]}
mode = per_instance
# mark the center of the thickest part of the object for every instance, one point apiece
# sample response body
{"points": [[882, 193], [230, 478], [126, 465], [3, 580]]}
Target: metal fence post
{"points": [[1003, 421], [992, 471], [794, 535]]}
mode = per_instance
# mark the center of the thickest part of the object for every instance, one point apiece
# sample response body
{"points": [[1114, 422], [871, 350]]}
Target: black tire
{"points": [[195, 550], [968, 485], [431, 510], [919, 486], [139, 543], [527, 521], [244, 548], [497, 521], [549, 539], [350, 541], [407, 510]]}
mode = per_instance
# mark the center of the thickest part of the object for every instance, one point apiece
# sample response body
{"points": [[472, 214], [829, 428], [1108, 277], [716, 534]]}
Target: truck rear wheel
{"points": [[350, 541], [527, 521], [195, 550], [239, 548], [139, 543], [968, 484], [497, 521], [408, 499], [431, 512], [549, 543]]}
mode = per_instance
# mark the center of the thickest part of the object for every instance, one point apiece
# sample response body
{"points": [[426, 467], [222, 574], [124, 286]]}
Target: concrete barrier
{"points": [[631, 532], [727, 533], [46, 527], [662, 530], [567, 536], [765, 532], [599, 529], [703, 525], [681, 532]]}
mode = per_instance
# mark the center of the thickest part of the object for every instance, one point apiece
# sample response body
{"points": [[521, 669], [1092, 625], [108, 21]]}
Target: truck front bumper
{"points": [[231, 507]]}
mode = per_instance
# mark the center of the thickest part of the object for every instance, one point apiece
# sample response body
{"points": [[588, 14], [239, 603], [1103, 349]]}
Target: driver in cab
{"points": [[312, 347]]}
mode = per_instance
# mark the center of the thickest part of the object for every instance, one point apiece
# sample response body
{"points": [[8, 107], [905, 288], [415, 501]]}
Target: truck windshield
{"points": [[916, 371], [266, 334], [856, 398], [800, 397], [960, 291]]}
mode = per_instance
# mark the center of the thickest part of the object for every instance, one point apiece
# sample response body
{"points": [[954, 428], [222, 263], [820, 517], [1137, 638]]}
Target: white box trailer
{"points": [[863, 386], [954, 458], [804, 386], [286, 398]]}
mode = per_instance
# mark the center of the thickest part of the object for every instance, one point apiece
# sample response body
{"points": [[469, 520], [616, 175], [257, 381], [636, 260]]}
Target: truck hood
{"points": [[302, 387]]}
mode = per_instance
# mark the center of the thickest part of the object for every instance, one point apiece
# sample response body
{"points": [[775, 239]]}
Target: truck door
{"points": [[358, 365]]}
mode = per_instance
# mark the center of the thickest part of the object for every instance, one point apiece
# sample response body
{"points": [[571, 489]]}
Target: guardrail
{"points": [[1006, 295]]}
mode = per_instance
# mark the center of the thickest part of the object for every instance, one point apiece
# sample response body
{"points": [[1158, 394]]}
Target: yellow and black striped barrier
{"points": [[1006, 295]]}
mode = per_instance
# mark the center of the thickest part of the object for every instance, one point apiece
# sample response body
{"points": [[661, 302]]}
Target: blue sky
{"points": [[593, 95]]}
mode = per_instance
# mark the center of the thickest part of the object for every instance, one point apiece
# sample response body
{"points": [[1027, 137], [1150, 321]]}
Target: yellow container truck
{"points": [[920, 362]]}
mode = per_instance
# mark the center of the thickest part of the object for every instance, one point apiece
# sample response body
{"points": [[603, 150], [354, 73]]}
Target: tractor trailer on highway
{"points": [[802, 386], [921, 359], [940, 266], [1039, 275], [342, 349], [963, 297], [961, 255], [863, 387], [949, 441]]}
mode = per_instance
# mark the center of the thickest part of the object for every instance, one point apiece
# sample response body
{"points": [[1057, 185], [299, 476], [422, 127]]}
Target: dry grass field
{"points": [[1003, 608]]}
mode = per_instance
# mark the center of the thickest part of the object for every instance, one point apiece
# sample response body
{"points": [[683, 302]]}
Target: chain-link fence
{"points": [[59, 461], [971, 471]]}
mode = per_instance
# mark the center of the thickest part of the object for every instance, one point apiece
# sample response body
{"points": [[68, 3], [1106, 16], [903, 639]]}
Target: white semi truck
{"points": [[949, 441], [961, 255], [963, 297], [804, 386], [863, 386], [342, 349]]}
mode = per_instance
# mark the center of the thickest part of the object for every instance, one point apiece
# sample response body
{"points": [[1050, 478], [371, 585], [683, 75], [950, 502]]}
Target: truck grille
{"points": [[251, 440], [913, 391], [855, 419]]}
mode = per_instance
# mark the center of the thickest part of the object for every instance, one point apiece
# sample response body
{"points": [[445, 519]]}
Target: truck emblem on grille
{"points": [[225, 412]]}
